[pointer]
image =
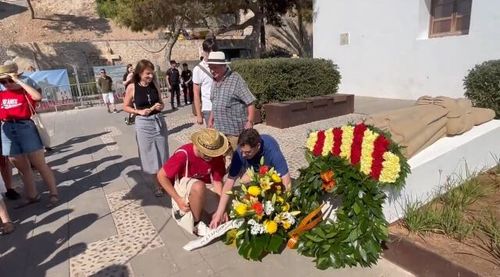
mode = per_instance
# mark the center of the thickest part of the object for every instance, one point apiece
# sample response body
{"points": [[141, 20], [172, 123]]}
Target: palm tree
{"points": [[293, 37]]}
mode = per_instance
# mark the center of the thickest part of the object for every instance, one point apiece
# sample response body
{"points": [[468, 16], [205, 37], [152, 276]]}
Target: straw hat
{"points": [[217, 57], [210, 142], [7, 69]]}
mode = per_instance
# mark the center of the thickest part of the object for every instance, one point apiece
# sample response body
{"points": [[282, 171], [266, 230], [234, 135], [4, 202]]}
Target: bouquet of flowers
{"points": [[263, 206]]}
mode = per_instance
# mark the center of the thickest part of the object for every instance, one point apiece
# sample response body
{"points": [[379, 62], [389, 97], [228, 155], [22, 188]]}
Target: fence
{"points": [[81, 95]]}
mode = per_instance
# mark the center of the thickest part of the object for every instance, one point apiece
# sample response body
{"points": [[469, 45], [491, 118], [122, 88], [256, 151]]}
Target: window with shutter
{"points": [[450, 17]]}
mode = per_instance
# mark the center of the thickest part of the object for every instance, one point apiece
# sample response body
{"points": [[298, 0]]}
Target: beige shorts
{"points": [[108, 98], [183, 187]]}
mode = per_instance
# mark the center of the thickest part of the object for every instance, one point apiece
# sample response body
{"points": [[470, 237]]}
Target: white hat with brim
{"points": [[10, 68], [210, 142], [217, 57]]}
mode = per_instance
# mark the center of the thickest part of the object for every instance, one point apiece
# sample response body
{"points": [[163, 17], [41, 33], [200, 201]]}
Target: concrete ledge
{"points": [[448, 158]]}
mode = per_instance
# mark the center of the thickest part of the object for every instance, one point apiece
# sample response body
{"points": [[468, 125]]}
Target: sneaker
{"points": [[115, 111], [11, 194], [201, 229]]}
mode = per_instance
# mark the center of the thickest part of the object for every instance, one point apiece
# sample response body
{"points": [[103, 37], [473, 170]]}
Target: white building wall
{"points": [[389, 53]]}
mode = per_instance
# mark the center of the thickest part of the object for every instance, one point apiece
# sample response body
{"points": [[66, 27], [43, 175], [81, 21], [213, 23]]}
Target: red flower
{"points": [[380, 145], [337, 141], [258, 208], [357, 143], [263, 169], [318, 148]]}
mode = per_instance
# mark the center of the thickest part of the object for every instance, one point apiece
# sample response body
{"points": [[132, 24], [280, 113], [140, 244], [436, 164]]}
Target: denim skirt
{"points": [[20, 137]]}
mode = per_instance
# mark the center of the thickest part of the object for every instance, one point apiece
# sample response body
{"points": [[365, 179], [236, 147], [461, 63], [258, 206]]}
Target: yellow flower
{"points": [[286, 225], [276, 178], [254, 190], [328, 145], [345, 147], [280, 199], [265, 183], [367, 148], [270, 226], [390, 168], [241, 209], [286, 207], [311, 140]]}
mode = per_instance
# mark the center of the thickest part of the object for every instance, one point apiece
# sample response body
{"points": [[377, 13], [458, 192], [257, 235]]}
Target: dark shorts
{"points": [[20, 137]]}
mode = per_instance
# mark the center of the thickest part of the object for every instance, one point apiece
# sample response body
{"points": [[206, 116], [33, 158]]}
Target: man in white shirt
{"points": [[202, 84]]}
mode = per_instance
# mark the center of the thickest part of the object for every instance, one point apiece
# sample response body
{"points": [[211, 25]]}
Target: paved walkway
{"points": [[110, 224]]}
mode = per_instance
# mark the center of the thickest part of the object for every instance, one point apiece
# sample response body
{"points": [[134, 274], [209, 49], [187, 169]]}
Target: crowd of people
{"points": [[196, 176]]}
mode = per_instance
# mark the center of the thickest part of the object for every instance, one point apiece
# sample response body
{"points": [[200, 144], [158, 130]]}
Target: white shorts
{"points": [[109, 98]]}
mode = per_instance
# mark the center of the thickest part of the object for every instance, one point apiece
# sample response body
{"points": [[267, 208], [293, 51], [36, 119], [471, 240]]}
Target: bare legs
{"points": [[197, 199], [37, 159]]}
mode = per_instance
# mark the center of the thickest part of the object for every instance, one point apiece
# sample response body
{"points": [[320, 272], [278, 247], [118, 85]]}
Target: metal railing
{"points": [[75, 95], [82, 95]]}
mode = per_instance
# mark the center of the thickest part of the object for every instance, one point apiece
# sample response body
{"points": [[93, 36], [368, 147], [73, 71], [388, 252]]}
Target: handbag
{"points": [[42, 131]]}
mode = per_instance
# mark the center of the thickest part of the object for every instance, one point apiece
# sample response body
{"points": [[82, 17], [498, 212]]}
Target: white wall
{"points": [[390, 54]]}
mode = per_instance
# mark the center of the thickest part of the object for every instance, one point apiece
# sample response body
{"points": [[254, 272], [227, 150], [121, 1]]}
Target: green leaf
{"points": [[275, 244], [313, 237], [357, 208]]}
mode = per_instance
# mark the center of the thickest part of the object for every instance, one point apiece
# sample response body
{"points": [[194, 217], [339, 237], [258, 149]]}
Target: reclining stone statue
{"points": [[430, 119]]}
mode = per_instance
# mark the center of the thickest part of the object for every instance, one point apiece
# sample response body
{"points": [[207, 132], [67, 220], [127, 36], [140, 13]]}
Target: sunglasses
{"points": [[6, 81]]}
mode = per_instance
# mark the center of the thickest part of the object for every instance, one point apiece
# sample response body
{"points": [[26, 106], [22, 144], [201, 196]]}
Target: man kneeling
{"points": [[193, 179], [252, 148]]}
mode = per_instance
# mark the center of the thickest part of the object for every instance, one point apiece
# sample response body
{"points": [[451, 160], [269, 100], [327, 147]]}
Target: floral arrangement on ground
{"points": [[353, 163], [263, 206]]}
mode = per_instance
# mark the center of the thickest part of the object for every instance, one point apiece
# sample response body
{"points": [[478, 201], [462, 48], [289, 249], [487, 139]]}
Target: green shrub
{"points": [[482, 85], [282, 79]]}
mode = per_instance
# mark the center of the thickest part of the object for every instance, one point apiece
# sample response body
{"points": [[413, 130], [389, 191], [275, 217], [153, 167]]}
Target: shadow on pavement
{"points": [[22, 248]]}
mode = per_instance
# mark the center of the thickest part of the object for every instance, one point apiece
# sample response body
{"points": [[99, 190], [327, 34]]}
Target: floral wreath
{"points": [[353, 163]]}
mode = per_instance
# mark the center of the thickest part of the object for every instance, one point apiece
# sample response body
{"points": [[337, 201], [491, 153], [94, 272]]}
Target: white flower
{"points": [[290, 218], [268, 207], [256, 228]]}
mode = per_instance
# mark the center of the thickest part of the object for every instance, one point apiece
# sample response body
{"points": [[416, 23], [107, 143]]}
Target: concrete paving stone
{"points": [[201, 269], [162, 266]]}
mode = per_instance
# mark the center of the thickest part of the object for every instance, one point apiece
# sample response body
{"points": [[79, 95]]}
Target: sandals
{"points": [[7, 228], [29, 201], [53, 201]]}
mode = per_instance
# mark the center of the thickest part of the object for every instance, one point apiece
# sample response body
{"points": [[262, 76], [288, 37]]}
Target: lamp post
{"points": [[75, 72]]}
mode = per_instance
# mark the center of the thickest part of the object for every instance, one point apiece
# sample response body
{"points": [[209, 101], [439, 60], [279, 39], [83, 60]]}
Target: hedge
{"points": [[482, 85], [282, 79]]}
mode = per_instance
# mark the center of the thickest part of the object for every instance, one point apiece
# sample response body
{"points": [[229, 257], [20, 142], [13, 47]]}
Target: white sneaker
{"points": [[201, 229]]}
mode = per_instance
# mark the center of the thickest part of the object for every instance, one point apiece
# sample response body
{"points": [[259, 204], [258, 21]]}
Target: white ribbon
{"points": [[213, 234]]}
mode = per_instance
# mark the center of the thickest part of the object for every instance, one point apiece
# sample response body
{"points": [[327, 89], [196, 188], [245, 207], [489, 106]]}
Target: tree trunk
{"points": [[262, 30], [257, 35], [172, 40], [32, 11]]}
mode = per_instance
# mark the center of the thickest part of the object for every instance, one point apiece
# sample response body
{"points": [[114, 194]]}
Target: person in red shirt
{"points": [[193, 178], [20, 139]]}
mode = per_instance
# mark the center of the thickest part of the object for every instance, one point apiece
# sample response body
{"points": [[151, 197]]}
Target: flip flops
{"points": [[29, 201]]}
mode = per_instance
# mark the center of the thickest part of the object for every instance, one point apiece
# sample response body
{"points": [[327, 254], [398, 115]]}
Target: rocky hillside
{"points": [[58, 21]]}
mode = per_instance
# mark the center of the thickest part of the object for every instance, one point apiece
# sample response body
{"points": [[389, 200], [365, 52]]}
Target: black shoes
{"points": [[11, 194]]}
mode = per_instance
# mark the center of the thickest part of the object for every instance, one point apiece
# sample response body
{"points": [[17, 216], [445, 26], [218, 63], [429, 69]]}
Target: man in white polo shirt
{"points": [[202, 84]]}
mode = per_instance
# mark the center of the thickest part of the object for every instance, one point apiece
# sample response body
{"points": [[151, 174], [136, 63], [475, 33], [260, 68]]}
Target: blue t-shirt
{"points": [[269, 149]]}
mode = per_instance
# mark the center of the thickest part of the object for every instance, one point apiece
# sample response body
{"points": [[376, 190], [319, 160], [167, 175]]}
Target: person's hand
{"points": [[183, 206], [218, 219], [158, 107], [249, 125], [145, 112], [199, 119], [211, 122]]}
